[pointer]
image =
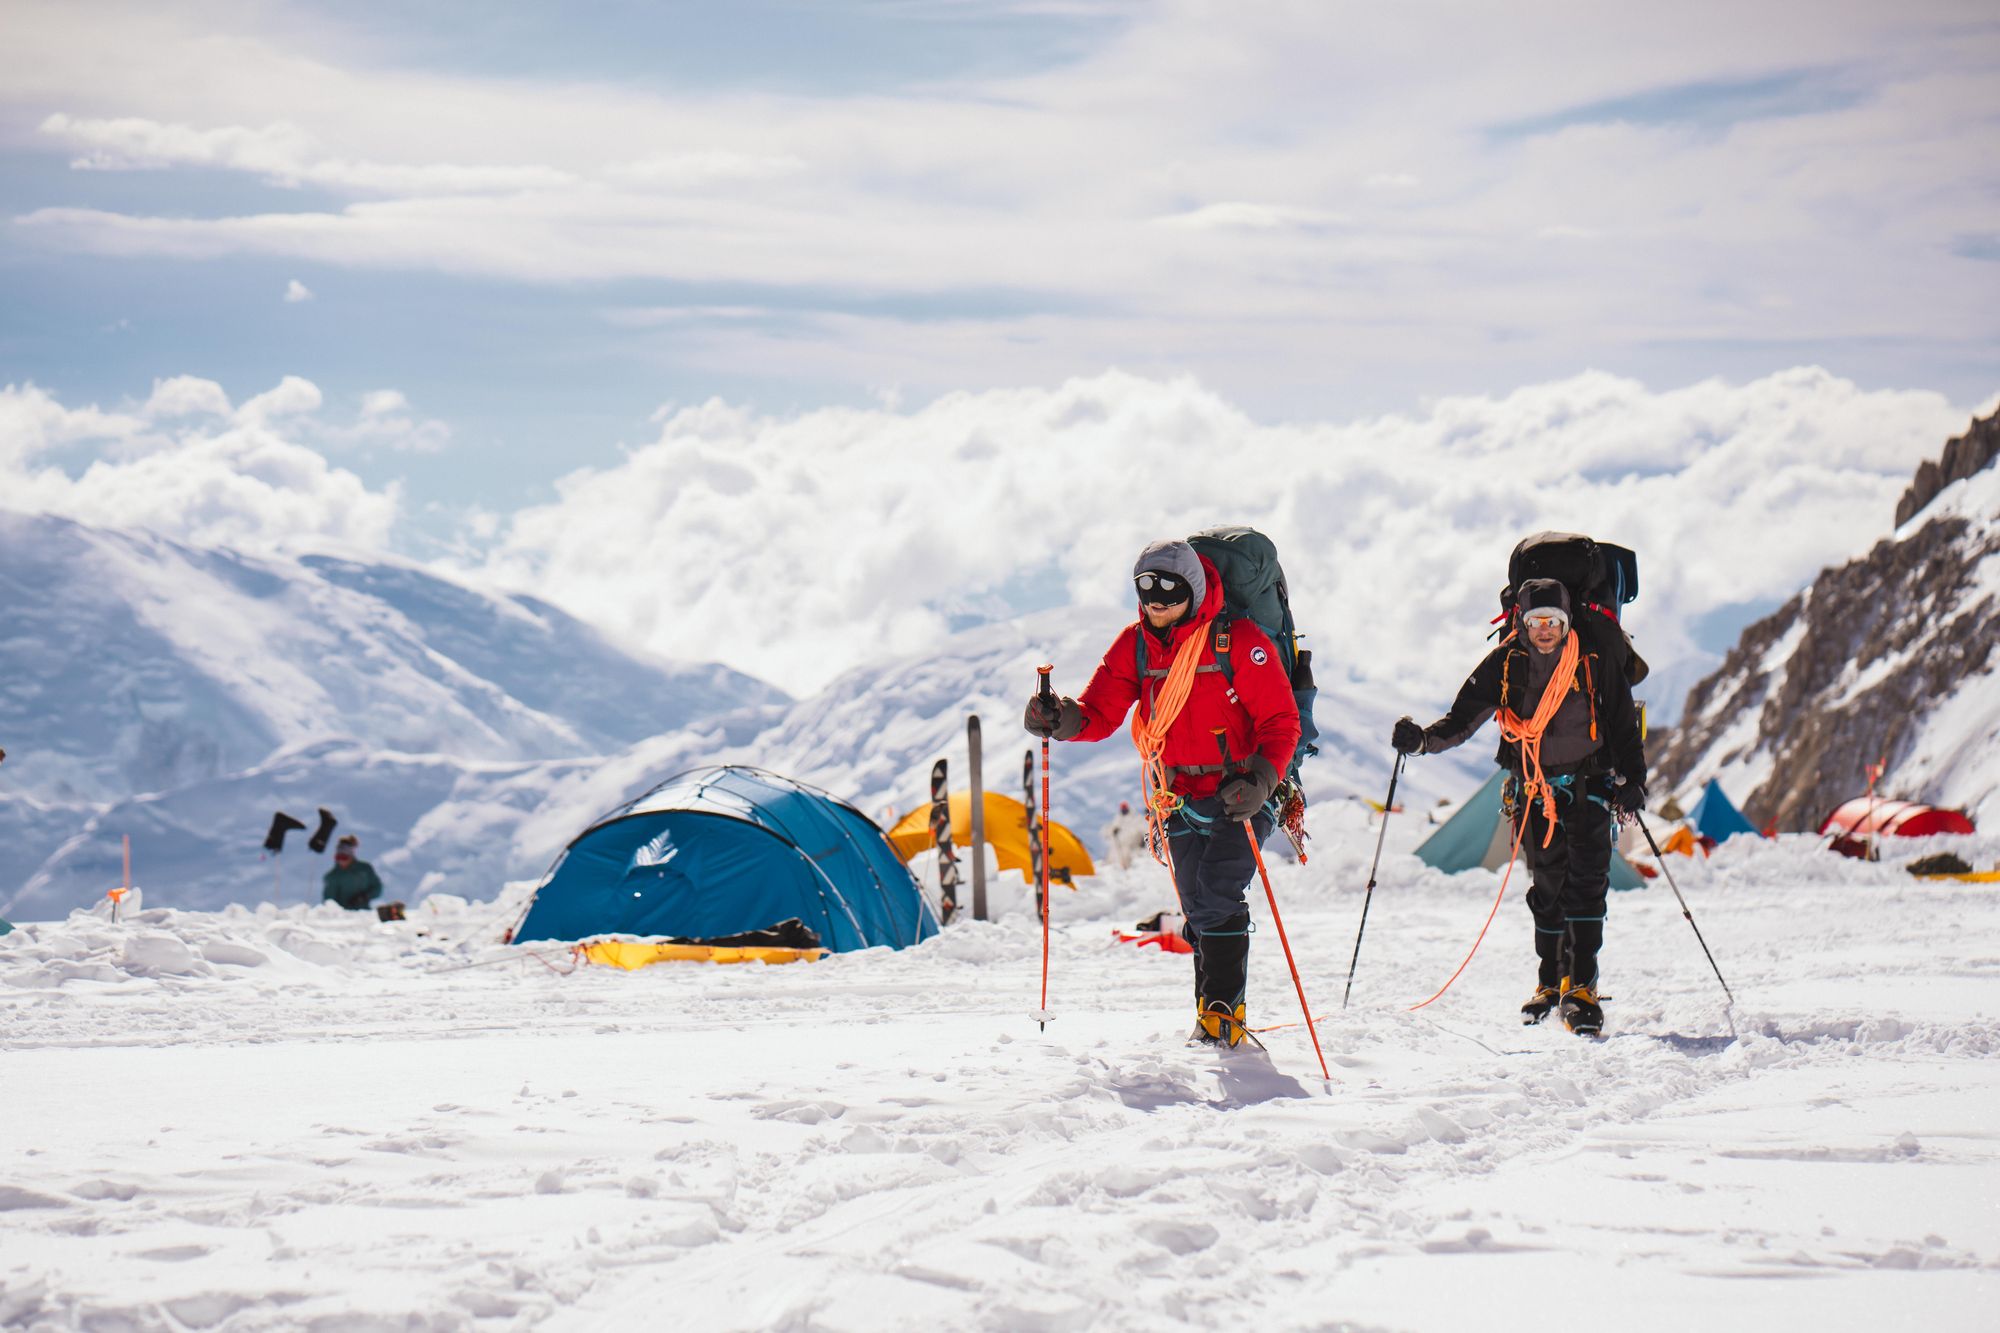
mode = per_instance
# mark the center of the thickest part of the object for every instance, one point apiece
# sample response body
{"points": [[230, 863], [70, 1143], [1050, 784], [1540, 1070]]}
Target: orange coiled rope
{"points": [[1149, 734], [1527, 735]]}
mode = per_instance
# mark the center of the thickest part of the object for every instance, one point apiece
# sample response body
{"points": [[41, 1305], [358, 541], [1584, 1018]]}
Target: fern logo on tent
{"points": [[657, 852]]}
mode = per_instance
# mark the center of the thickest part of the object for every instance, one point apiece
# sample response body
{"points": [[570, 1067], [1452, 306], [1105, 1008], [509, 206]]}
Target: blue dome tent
{"points": [[1716, 816], [720, 851], [1479, 835]]}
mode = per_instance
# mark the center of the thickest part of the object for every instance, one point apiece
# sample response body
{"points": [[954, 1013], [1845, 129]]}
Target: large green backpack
{"points": [[1254, 589]]}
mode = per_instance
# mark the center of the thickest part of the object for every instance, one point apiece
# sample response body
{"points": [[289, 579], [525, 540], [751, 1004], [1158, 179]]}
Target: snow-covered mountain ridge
{"points": [[1890, 656], [442, 822], [139, 672]]}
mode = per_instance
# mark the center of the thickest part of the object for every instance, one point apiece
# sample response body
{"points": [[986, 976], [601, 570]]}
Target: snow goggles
{"points": [[1545, 617], [1162, 589]]}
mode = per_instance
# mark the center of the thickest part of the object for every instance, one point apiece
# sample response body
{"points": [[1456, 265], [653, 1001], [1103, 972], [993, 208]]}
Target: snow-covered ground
{"points": [[255, 1119]]}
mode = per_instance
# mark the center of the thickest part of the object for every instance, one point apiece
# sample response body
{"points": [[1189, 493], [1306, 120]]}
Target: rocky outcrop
{"points": [[1971, 452], [1856, 667]]}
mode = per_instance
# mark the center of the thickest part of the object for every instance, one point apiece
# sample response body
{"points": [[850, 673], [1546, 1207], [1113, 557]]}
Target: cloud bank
{"points": [[186, 462], [796, 547]]}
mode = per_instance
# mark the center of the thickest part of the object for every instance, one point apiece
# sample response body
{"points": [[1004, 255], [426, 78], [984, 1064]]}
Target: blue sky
{"points": [[541, 224]]}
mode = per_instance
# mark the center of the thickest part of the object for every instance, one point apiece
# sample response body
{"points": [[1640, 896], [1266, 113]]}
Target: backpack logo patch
{"points": [[1258, 656]]}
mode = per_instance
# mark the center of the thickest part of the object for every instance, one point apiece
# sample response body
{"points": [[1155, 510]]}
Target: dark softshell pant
{"points": [[1571, 877], [1214, 863]]}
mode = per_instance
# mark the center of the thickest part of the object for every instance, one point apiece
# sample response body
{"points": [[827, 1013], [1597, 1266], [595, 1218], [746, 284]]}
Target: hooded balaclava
{"points": [[1178, 559]]}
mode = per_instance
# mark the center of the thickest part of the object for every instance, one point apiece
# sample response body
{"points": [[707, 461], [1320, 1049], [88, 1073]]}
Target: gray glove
{"points": [[1057, 719], [1244, 794]]}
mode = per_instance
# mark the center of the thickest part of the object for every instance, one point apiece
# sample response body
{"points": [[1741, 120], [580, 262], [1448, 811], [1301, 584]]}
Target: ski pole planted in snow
{"points": [[1279, 922], [1388, 804], [1042, 1018], [1684, 905]]}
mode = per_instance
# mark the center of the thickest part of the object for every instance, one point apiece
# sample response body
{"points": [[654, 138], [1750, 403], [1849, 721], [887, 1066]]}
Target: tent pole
{"points": [[978, 816]]}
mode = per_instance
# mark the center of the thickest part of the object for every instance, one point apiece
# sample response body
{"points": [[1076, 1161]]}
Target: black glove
{"points": [[1408, 737], [1057, 719], [1244, 794], [1628, 797]]}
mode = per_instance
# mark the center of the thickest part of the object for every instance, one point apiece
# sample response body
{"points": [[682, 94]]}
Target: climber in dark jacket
{"points": [[1589, 753], [351, 883]]}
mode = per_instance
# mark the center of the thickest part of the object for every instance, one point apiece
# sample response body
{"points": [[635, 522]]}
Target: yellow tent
{"points": [[1006, 830], [1683, 842]]}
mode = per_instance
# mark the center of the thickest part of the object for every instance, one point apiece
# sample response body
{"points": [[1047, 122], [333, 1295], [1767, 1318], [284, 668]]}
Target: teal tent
{"points": [[1478, 836], [724, 851], [5, 928], [1716, 816]]}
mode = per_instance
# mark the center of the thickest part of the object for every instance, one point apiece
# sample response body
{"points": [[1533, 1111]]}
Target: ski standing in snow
{"points": [[1217, 723], [941, 834], [1572, 745]]}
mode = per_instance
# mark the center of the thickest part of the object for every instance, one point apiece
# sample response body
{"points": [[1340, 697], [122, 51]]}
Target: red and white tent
{"points": [[1866, 817]]}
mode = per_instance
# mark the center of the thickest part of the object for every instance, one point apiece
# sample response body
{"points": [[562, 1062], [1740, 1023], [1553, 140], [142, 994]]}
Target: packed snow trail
{"points": [[261, 1120]]}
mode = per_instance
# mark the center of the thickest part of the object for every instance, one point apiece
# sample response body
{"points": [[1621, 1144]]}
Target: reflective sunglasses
{"points": [[1162, 589], [1542, 619]]}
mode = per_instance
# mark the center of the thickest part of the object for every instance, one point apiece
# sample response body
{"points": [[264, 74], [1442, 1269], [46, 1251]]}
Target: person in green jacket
{"points": [[351, 883]]}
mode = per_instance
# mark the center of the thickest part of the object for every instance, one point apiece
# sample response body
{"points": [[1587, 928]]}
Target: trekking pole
{"points": [[1388, 803], [1049, 695], [1684, 904], [1279, 922]]}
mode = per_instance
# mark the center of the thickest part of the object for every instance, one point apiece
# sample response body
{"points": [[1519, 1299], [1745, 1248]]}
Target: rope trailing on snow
{"points": [[1520, 826]]}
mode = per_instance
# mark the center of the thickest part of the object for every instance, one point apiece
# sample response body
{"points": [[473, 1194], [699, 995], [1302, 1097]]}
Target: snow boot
{"points": [[1218, 1025], [1581, 1012], [1222, 960], [1539, 1004]]}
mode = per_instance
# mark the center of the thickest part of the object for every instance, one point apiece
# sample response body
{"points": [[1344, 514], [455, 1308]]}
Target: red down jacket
{"points": [[1257, 713]]}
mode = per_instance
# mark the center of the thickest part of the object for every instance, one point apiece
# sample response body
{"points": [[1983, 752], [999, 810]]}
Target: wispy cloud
{"points": [[281, 153], [1710, 104], [296, 291], [1253, 200], [1241, 216]]}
